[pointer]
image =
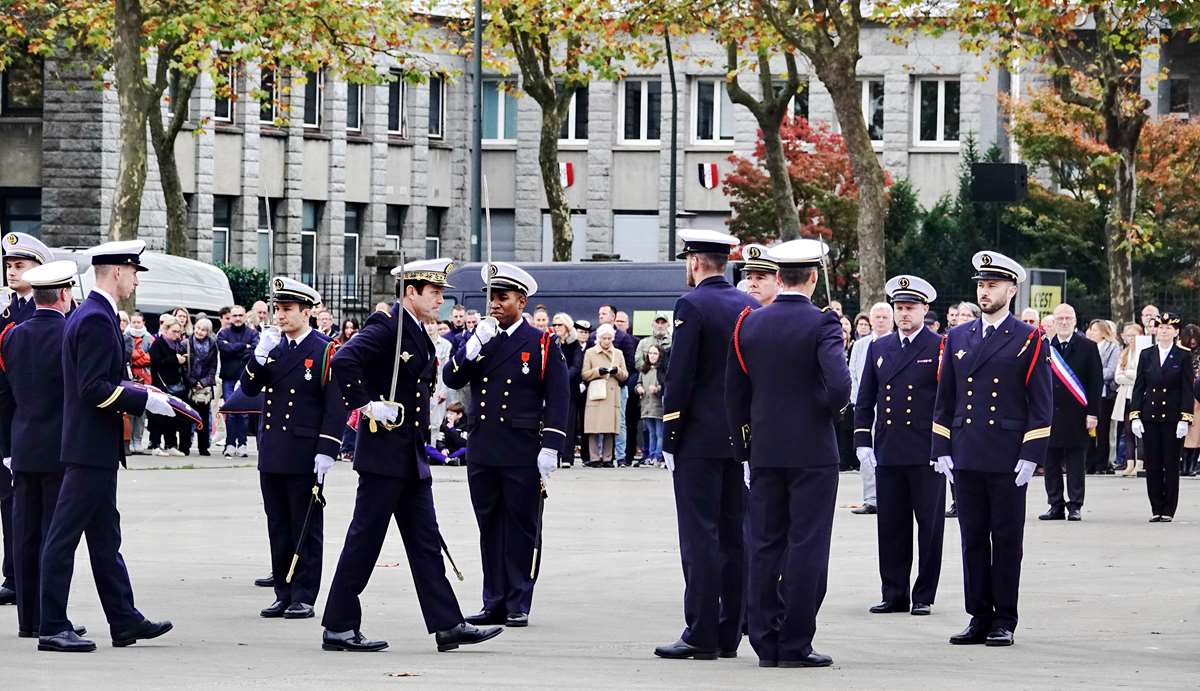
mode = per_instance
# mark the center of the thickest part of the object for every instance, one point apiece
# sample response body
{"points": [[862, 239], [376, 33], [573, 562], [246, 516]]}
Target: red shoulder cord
{"points": [[4, 367], [737, 342], [941, 351], [1037, 351], [330, 349], [545, 345]]}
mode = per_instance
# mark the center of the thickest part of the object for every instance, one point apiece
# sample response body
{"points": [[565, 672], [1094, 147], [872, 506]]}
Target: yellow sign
{"points": [[1045, 298]]}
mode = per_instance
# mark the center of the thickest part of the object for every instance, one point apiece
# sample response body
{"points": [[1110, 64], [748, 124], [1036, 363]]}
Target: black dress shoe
{"points": [[865, 509], [813, 659], [142, 632], [355, 644], [768, 663], [727, 654], [267, 582], [1156, 519], [1074, 515], [999, 636], [921, 610], [66, 642], [274, 611], [464, 634], [517, 620], [298, 610], [888, 608], [486, 617], [679, 650], [79, 631], [1166, 519], [972, 635], [1052, 515], [952, 512], [8, 596]]}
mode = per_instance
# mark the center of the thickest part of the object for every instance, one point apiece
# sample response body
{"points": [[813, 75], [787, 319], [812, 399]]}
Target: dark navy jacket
{"points": [[987, 417], [236, 347], [1069, 426], [31, 393], [360, 372], [786, 383], [302, 411], [516, 410], [15, 314], [93, 367], [1162, 392], [896, 397], [694, 413]]}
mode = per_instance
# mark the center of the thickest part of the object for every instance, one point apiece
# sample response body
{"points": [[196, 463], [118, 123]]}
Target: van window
{"points": [[447, 307]]}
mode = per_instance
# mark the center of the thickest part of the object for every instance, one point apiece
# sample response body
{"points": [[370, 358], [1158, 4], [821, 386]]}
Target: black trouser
{"points": [[1072, 460], [991, 523], [633, 426], [905, 492], [379, 500], [183, 429], [585, 454], [1100, 450], [507, 502], [204, 434], [791, 518], [34, 497], [6, 510], [164, 431], [1162, 466], [87, 506], [710, 507], [286, 499]]}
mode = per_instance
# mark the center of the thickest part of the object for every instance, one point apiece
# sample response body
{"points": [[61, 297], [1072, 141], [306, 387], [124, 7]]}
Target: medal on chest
{"points": [[525, 362], [308, 363]]}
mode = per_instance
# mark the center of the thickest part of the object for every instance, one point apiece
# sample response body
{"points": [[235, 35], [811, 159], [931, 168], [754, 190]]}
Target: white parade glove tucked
{"points": [[8, 463], [866, 456], [1137, 428], [380, 411], [1181, 430], [486, 331], [547, 462], [267, 340], [669, 458], [1024, 471], [158, 403], [945, 466], [746, 474], [321, 465]]}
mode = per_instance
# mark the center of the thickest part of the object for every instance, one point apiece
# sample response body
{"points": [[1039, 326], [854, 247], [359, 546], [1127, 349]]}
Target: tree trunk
{"points": [[782, 195], [1116, 227], [556, 196], [130, 74], [177, 210]]}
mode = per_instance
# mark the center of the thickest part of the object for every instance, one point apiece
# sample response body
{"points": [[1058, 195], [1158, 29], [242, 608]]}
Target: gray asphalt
{"points": [[1112, 602]]}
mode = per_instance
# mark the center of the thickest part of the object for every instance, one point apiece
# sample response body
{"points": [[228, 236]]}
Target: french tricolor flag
{"points": [[708, 175], [1066, 375], [566, 174]]}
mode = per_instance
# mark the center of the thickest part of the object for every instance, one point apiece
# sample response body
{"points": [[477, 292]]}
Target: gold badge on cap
{"points": [[754, 253], [493, 270], [11, 238], [449, 268], [904, 283], [279, 284], [986, 260]]}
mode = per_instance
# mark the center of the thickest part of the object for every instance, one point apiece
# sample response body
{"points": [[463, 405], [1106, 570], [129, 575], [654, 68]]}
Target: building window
{"points": [[225, 92], [310, 220], [268, 108], [264, 237], [21, 212], [397, 106], [314, 98], [435, 216], [499, 111], [937, 103], [394, 230], [21, 86], [575, 126], [354, 107], [1178, 97], [351, 235], [640, 111], [872, 105], [222, 222], [437, 106], [712, 112]]}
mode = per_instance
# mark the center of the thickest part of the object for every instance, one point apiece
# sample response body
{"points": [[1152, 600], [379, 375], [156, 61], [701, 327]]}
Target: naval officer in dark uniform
{"points": [[991, 427], [21, 253], [519, 391], [698, 449], [787, 384], [95, 394], [892, 419], [31, 410], [299, 433], [393, 390]]}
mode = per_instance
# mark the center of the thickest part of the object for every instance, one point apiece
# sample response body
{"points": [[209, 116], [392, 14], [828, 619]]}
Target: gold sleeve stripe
{"points": [[111, 399], [941, 430], [862, 429], [670, 416], [326, 436], [1134, 414], [556, 431], [1187, 417], [1034, 434]]}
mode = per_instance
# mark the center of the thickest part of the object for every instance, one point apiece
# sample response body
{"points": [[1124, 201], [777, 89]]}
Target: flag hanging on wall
{"points": [[708, 175], [566, 174]]}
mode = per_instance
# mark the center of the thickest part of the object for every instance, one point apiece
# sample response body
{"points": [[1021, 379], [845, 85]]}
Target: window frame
{"points": [[266, 211], [440, 134], [318, 209], [268, 77], [224, 230], [231, 75], [643, 112], [1186, 113], [318, 81], [573, 119], [401, 87], [501, 112], [865, 100], [6, 108], [353, 87], [718, 103], [359, 211], [392, 241], [939, 116]]}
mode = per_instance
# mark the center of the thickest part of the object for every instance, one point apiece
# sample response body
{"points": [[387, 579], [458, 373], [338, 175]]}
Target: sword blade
{"points": [[399, 332]]}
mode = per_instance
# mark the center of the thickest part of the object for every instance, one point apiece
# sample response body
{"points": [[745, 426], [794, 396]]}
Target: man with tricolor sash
{"points": [[1078, 382]]}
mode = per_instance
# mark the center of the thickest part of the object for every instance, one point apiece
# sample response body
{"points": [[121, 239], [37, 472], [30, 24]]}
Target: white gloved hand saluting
{"points": [[945, 466], [669, 459], [484, 332], [1181, 430], [1024, 471], [321, 466], [1137, 428], [380, 411], [267, 340], [158, 404], [547, 462], [866, 456]]}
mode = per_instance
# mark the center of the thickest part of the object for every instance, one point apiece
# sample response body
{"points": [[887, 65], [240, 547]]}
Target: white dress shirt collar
{"points": [[112, 302]]}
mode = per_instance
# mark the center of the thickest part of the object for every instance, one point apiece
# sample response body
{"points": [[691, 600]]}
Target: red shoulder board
{"points": [[737, 340], [4, 367]]}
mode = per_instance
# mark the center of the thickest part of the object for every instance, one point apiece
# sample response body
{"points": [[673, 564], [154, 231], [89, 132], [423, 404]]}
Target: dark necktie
{"points": [[1062, 347], [989, 331], [21, 302], [292, 345], [903, 343]]}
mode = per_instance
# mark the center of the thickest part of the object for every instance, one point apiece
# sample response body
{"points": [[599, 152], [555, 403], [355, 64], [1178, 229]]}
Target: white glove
{"points": [[866, 456], [159, 404], [669, 458], [547, 462], [267, 340], [1024, 471], [484, 332], [945, 466], [1181, 430], [746, 474], [1137, 428], [380, 411], [321, 465], [8, 463]]}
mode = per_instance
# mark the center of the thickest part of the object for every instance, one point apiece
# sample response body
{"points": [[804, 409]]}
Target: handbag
{"points": [[597, 389]]}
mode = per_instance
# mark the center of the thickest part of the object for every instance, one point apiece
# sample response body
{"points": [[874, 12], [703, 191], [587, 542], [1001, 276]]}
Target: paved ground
{"points": [[1112, 602]]}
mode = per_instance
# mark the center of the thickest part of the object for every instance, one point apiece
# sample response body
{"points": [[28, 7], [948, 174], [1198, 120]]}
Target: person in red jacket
{"points": [[137, 348]]}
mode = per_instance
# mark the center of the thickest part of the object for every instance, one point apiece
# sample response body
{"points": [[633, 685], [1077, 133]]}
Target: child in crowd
{"points": [[652, 405], [454, 439]]}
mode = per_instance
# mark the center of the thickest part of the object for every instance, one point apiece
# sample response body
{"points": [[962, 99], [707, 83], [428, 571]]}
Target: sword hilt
{"points": [[292, 568]]}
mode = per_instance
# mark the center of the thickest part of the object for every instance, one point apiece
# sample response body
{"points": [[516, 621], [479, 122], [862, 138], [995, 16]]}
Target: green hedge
{"points": [[248, 285]]}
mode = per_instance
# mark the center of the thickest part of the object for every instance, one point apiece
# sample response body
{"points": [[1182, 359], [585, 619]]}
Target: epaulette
{"points": [[1183, 348], [825, 308]]}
